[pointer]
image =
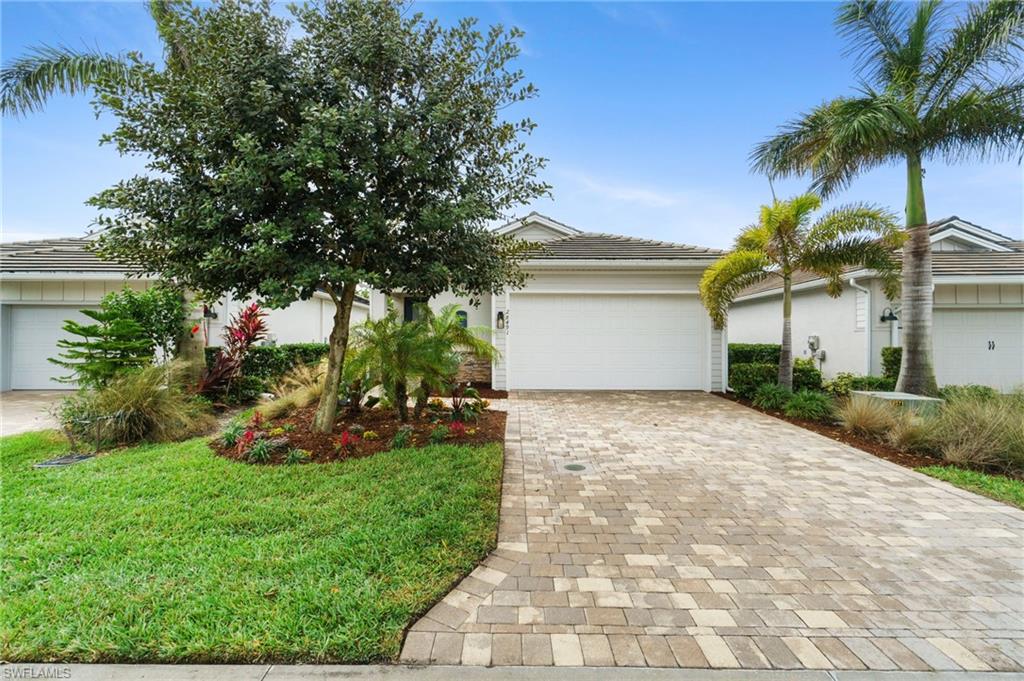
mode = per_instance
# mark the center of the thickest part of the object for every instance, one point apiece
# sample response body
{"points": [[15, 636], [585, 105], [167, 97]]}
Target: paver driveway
{"points": [[701, 533]]}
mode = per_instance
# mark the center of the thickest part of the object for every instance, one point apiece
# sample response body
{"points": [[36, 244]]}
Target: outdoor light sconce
{"points": [[889, 316], [209, 313], [499, 322]]}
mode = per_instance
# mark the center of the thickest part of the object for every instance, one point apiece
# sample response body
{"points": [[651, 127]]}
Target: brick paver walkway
{"points": [[701, 533]]}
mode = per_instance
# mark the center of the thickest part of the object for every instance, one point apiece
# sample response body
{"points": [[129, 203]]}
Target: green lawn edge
{"points": [[999, 487]]}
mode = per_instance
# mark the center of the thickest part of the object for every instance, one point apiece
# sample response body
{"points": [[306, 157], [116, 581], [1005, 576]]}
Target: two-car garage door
{"points": [[580, 341], [34, 332]]}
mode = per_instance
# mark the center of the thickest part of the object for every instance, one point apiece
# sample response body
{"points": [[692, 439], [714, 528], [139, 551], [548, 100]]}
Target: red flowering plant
{"points": [[246, 328], [457, 429], [245, 441], [347, 442]]}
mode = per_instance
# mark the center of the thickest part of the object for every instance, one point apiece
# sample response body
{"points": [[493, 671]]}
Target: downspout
{"points": [[852, 281]]}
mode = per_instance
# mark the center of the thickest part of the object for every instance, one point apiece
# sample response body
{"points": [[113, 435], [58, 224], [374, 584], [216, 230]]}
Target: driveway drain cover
{"points": [[575, 467], [65, 460]]}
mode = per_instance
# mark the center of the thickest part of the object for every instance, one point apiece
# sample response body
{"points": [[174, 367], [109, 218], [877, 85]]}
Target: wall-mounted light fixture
{"points": [[499, 322], [889, 316], [209, 313]]}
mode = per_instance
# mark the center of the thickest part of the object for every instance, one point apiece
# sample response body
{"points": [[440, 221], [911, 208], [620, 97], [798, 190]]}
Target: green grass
{"points": [[168, 553], [998, 487]]}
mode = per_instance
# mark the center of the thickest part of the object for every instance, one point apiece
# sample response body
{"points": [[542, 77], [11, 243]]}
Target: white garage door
{"points": [[980, 346], [605, 342], [35, 330]]}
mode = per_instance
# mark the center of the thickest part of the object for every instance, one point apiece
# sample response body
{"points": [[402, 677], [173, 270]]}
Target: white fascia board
{"points": [[865, 274], [803, 286], [968, 227], [972, 237], [575, 264], [538, 220], [72, 276]]}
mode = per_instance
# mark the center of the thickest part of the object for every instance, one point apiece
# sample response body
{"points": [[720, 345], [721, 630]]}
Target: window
{"points": [[410, 311], [463, 318]]}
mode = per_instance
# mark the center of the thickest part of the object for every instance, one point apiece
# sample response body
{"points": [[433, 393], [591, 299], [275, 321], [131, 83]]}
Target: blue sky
{"points": [[647, 113]]}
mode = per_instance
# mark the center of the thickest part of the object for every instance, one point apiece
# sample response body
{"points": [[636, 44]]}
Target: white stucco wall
{"points": [[834, 320], [304, 321]]}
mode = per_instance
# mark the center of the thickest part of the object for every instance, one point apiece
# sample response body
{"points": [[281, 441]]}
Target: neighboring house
{"points": [[978, 312], [599, 312], [44, 283]]}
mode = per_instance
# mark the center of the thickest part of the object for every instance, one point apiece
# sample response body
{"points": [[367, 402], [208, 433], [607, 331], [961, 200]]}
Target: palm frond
{"points": [[979, 124], [729, 275], [988, 37], [27, 82], [830, 259], [872, 29], [837, 141], [853, 219]]}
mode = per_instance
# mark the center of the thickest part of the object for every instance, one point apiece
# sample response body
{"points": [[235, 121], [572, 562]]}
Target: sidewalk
{"points": [[104, 672]]}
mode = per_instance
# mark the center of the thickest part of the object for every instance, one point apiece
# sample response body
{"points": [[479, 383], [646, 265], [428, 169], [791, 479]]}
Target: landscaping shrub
{"points": [[806, 376], [270, 362], [867, 418], [160, 310], [971, 390], [892, 358], [771, 396], [809, 405], [144, 405], [980, 431], [911, 432], [402, 438], [754, 353], [240, 335], [96, 353], [844, 382], [438, 434], [745, 379]]}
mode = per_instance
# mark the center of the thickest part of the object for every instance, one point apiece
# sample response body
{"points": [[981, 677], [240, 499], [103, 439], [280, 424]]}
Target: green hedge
{"points": [[892, 358], [754, 353], [746, 377], [269, 362], [844, 382]]}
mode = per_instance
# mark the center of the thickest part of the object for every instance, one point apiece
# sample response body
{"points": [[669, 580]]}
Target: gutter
{"points": [[852, 281]]}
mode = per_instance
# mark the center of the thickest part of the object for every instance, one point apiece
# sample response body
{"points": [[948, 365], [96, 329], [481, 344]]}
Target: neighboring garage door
{"points": [[35, 330], [605, 342], [980, 346]]}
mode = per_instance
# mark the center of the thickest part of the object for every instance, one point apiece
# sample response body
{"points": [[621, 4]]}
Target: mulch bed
{"points": [[322, 448], [834, 432]]}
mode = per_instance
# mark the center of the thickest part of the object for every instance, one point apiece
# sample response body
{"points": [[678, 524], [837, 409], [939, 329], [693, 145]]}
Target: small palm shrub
{"points": [[809, 405], [146, 405], [982, 432], [912, 432], [866, 417], [771, 396]]}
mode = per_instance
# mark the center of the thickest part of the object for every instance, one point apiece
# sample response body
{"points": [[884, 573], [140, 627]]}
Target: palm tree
{"points": [[932, 88], [784, 241], [28, 81], [446, 328]]}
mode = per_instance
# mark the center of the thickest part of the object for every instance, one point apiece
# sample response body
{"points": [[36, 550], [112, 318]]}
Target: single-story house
{"points": [[978, 312], [43, 283], [599, 312]]}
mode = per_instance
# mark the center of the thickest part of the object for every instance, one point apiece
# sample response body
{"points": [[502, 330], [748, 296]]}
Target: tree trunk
{"points": [[327, 410], [917, 373], [402, 401], [786, 352]]}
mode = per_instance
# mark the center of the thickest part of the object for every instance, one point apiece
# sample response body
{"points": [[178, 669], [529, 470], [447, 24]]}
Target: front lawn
{"points": [[169, 553], [998, 487]]}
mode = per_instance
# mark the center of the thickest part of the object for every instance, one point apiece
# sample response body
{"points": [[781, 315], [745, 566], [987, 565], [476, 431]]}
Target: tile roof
{"points": [[593, 246], [56, 255], [944, 263]]}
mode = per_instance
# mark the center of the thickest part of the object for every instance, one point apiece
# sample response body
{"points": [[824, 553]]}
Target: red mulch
{"points": [[485, 390], [879, 449], [490, 427]]}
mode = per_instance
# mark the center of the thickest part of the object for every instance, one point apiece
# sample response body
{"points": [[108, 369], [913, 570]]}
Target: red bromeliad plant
{"points": [[245, 329], [457, 428]]}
